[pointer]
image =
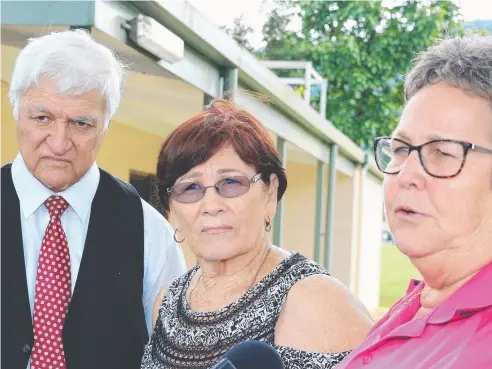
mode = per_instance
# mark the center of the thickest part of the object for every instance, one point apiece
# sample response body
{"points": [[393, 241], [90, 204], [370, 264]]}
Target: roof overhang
{"points": [[208, 50]]}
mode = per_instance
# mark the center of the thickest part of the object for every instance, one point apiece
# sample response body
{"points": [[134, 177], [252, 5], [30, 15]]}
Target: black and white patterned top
{"points": [[185, 339]]}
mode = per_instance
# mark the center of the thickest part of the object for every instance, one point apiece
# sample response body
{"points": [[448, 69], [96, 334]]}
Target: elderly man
{"points": [[83, 257]]}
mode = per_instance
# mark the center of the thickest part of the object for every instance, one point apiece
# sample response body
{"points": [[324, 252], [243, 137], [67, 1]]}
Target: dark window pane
{"points": [[145, 184]]}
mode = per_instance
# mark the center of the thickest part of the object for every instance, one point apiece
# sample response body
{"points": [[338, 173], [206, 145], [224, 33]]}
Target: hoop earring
{"points": [[175, 238], [268, 225]]}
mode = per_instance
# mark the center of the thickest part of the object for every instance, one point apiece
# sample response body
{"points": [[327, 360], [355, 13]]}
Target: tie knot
{"points": [[56, 206]]}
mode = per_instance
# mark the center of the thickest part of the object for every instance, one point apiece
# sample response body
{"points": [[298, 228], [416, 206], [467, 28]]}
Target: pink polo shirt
{"points": [[457, 334]]}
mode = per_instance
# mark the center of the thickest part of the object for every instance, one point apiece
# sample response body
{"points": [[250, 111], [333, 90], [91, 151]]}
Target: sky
{"points": [[223, 12]]}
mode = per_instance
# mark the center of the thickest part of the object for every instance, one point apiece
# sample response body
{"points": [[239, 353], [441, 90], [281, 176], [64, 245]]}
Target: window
{"points": [[145, 184], [207, 99]]}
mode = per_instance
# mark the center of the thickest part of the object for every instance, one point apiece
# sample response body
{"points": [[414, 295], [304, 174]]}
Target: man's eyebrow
{"points": [[40, 109], [85, 118], [82, 118]]}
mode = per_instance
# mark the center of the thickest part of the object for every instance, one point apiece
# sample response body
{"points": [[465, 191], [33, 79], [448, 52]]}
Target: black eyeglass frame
{"points": [[467, 146], [253, 179]]}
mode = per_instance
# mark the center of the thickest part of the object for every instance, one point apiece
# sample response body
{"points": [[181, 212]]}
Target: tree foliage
{"points": [[363, 49], [484, 25], [240, 32]]}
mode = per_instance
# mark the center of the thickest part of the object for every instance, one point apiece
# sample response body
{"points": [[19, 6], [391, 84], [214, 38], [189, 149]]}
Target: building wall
{"points": [[324, 206], [126, 148], [369, 258], [345, 228], [300, 208], [7, 128]]}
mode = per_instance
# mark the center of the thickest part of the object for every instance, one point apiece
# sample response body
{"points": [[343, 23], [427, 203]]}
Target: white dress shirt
{"points": [[163, 258]]}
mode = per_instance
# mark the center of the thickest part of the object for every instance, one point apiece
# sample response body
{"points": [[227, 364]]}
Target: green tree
{"points": [[483, 25], [240, 33], [363, 49]]}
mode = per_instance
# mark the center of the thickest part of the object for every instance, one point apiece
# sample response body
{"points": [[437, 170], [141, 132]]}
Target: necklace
{"points": [[405, 304], [234, 284], [261, 266]]}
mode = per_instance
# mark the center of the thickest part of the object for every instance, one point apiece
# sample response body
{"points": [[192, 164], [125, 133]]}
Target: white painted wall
{"points": [[345, 228], [369, 258]]}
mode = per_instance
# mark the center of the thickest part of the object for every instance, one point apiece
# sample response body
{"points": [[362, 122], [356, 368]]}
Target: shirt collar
{"points": [[32, 193], [470, 298]]}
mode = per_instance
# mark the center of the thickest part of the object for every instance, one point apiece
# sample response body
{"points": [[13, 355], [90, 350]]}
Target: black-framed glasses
{"points": [[439, 158], [188, 192]]}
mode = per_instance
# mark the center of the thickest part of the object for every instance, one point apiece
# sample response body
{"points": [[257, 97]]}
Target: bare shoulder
{"points": [[157, 304], [326, 290], [321, 315]]}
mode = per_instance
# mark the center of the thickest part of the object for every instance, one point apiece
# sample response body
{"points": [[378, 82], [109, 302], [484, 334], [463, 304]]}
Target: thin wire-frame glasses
{"points": [[234, 186]]}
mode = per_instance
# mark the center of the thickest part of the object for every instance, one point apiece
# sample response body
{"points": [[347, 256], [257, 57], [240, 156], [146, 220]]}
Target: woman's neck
{"points": [[445, 279], [218, 284], [229, 268], [433, 296], [234, 272]]}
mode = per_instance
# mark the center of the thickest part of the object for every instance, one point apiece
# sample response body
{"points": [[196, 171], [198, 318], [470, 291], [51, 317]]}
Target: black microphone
{"points": [[250, 355]]}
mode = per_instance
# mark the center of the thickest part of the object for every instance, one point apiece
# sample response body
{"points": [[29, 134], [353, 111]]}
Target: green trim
{"points": [[330, 206], [48, 13], [231, 83], [279, 216], [319, 211]]}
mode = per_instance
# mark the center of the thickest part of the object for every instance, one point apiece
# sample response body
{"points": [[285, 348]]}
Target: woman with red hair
{"points": [[220, 179]]}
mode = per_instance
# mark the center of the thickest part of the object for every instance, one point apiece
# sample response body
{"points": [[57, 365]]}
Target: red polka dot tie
{"points": [[53, 291]]}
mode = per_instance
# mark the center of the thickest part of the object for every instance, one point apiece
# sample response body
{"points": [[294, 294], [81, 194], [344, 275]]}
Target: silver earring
{"points": [[175, 236]]}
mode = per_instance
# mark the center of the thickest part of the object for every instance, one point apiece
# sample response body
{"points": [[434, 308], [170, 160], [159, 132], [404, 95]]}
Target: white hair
{"points": [[75, 62]]}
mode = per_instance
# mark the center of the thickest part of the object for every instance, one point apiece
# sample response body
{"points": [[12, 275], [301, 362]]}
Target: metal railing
{"points": [[311, 77]]}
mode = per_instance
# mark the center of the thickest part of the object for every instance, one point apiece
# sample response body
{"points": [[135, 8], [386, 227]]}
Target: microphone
{"points": [[250, 355]]}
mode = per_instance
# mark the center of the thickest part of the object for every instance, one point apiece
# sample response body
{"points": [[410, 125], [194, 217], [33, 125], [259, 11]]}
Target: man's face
{"points": [[59, 136]]}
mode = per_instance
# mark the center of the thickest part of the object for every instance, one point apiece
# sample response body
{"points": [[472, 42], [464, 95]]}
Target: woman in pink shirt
{"points": [[438, 201]]}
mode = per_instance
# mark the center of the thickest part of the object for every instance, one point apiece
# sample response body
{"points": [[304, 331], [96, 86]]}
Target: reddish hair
{"points": [[203, 135]]}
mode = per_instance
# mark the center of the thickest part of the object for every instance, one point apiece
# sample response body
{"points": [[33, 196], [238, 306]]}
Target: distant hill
{"points": [[480, 24]]}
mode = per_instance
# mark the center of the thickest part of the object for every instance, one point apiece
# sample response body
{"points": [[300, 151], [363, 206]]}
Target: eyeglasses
{"points": [[188, 192], [439, 158]]}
